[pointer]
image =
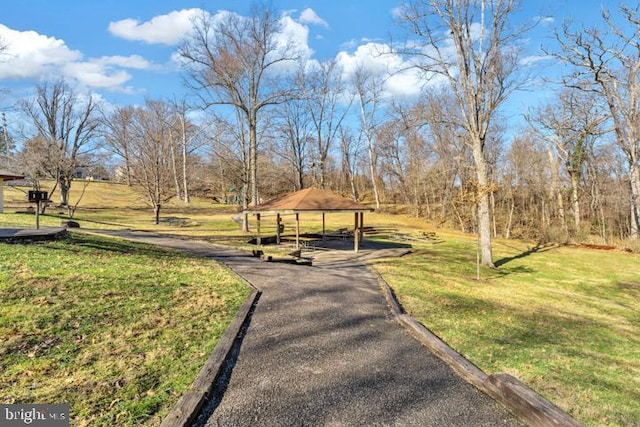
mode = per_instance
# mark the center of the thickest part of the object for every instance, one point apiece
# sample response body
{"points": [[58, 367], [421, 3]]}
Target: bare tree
{"points": [[295, 134], [7, 145], [185, 139], [369, 91], [233, 60], [349, 149], [570, 128], [294, 128], [525, 174], [325, 100], [440, 118], [151, 153], [479, 69], [229, 154], [117, 133], [609, 64], [35, 164], [68, 125], [405, 155]]}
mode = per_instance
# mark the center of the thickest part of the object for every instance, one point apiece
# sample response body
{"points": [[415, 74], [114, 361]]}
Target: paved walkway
{"points": [[321, 349]]}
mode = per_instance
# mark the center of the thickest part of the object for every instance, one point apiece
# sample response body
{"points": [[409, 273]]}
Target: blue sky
{"points": [[123, 51]]}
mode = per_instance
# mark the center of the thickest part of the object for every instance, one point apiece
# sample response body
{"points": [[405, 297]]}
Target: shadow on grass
{"points": [[538, 248], [78, 243]]}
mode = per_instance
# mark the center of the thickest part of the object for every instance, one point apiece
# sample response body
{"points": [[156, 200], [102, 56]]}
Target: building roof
{"points": [[5, 175], [309, 200]]}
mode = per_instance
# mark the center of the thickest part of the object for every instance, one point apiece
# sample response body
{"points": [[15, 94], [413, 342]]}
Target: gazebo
{"points": [[6, 176], [310, 200]]}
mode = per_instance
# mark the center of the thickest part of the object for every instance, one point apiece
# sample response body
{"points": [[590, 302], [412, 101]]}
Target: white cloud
{"points": [[309, 16], [534, 59], [131, 61], [166, 29], [377, 58], [544, 20], [295, 35], [33, 56], [106, 72]]}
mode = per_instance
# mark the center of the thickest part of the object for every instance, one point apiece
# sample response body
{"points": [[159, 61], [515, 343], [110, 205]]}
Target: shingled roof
{"points": [[309, 200], [7, 176]]}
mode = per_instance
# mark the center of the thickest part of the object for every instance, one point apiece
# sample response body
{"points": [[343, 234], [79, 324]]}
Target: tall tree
{"points": [[480, 73], [571, 127], [151, 154], [7, 144], [228, 150], [185, 138], [236, 61], [369, 93], [294, 132], [325, 99], [608, 63], [68, 124], [117, 134]]}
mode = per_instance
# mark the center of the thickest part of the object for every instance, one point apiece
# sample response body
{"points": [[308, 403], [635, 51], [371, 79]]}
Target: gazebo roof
{"points": [[309, 200], [5, 175]]}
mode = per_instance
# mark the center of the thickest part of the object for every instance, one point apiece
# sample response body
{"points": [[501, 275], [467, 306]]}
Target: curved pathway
{"points": [[321, 349]]}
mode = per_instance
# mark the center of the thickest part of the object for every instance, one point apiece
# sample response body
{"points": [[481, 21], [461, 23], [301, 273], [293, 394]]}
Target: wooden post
{"points": [[278, 229], [258, 239], [323, 232], [356, 234], [361, 226], [38, 214], [297, 231]]}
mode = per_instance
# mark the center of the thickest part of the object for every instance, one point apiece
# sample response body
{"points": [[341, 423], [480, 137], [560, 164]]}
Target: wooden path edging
{"points": [[519, 399], [186, 409]]}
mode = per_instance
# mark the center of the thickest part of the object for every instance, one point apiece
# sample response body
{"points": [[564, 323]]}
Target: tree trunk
{"points": [[507, 232], [555, 193], [253, 158], [634, 177], [127, 167], [322, 177], [575, 200], [174, 167], [185, 186], [374, 173], [156, 213], [65, 185], [484, 216]]}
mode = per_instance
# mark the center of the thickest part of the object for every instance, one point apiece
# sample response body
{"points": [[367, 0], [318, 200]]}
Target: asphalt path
{"points": [[321, 349]]}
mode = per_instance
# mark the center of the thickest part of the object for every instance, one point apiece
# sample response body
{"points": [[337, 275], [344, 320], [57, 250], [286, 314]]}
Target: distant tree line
{"points": [[272, 122]]}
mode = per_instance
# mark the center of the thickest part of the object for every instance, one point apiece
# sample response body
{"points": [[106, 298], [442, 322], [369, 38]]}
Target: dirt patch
{"points": [[599, 247]]}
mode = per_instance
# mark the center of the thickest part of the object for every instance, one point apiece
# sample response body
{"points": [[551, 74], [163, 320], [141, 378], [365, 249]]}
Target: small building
{"points": [[307, 201], [6, 176]]}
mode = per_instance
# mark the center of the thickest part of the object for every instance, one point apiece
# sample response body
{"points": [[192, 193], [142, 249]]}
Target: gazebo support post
{"points": [[297, 231], [278, 229], [323, 228], [356, 234], [361, 226], [258, 239]]}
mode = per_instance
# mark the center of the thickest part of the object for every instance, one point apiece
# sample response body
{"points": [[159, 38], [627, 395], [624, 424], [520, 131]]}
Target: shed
{"points": [[311, 200], [6, 176]]}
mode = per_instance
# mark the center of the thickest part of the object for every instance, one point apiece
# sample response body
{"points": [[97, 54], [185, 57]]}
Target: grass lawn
{"points": [[118, 330], [564, 320]]}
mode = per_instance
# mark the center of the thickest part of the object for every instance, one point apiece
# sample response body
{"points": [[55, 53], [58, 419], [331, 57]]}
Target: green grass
{"points": [[564, 320], [118, 330]]}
